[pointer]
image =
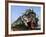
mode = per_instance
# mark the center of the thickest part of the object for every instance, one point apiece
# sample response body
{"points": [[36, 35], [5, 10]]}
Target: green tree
{"points": [[20, 25]]}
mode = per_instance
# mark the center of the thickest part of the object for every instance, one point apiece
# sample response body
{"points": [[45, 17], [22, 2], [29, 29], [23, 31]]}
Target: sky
{"points": [[17, 11]]}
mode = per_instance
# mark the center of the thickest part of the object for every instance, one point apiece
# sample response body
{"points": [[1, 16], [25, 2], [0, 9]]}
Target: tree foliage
{"points": [[20, 25]]}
